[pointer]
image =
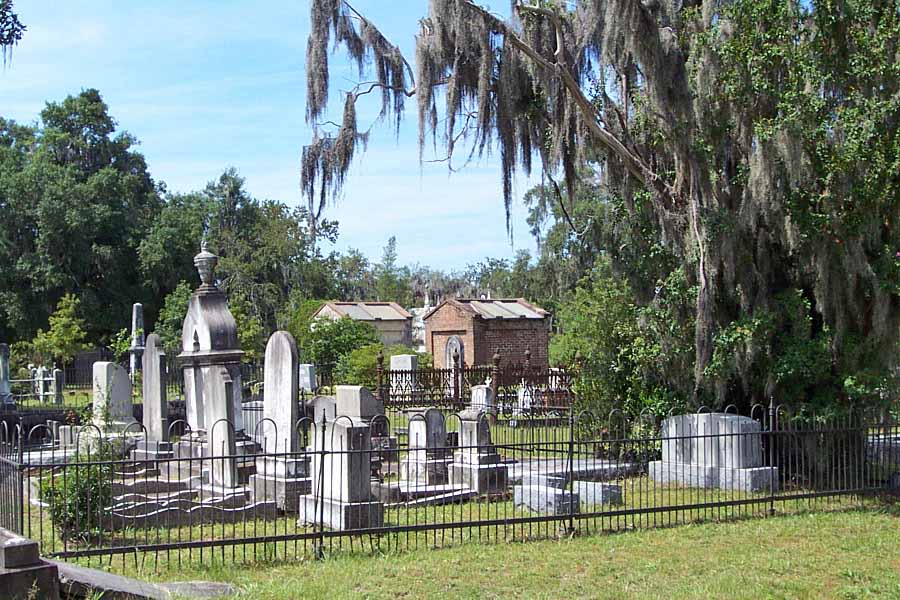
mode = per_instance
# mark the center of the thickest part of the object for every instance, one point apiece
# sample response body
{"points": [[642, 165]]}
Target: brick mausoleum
{"points": [[477, 328]]}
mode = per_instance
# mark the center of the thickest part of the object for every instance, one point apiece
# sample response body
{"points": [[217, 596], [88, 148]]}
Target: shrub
{"points": [[78, 500]]}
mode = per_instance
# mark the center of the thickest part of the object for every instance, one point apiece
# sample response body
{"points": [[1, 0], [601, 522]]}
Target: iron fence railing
{"points": [[344, 488]]}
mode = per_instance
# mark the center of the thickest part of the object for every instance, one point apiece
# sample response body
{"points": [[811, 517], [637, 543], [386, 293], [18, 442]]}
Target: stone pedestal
{"points": [[713, 450], [482, 398], [341, 496], [476, 464], [283, 481]]}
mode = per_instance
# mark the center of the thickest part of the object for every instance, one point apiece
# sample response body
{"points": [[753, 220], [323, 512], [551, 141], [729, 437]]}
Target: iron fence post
{"points": [[456, 378], [319, 550], [570, 476], [772, 454], [495, 376]]}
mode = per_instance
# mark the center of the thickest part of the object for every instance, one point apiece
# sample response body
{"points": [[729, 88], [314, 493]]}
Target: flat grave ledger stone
{"points": [[597, 493], [713, 450], [546, 500]]}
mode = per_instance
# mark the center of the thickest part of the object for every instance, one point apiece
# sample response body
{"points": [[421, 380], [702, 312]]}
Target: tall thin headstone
{"points": [[57, 385], [6, 396], [283, 477], [222, 448], [137, 337], [307, 377], [156, 445]]}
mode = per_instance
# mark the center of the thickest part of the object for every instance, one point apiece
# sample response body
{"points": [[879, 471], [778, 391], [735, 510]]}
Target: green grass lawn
{"points": [[844, 554]]}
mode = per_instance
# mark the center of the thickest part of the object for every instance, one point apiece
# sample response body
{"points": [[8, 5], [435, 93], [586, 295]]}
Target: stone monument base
{"points": [[546, 499], [285, 492], [754, 479], [431, 471], [341, 516], [152, 451], [489, 478]]}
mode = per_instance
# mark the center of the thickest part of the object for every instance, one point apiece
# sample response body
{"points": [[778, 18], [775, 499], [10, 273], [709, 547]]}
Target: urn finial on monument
{"points": [[206, 263]]}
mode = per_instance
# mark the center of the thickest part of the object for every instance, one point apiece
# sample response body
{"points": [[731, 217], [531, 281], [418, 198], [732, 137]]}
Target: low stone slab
{"points": [[595, 492], [178, 515], [340, 516], [81, 582], [546, 500], [430, 471], [756, 479]]}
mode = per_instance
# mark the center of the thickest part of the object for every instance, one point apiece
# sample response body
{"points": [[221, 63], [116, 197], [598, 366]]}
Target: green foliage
{"points": [[121, 343], [171, 317], [298, 322], [627, 355], [360, 366], [330, 339], [78, 502], [250, 331], [66, 335], [76, 201]]}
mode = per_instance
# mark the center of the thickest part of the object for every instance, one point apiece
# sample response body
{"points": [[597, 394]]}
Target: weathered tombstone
{"points": [[341, 496], [42, 383], [482, 398], [156, 405], [57, 386], [137, 337], [113, 410], [6, 396], [284, 477], [360, 405], [428, 459], [222, 448], [307, 378], [209, 344], [713, 450], [476, 464], [404, 378], [546, 499]]}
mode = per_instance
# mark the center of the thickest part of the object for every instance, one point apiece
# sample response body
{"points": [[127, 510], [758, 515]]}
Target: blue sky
{"points": [[209, 84]]}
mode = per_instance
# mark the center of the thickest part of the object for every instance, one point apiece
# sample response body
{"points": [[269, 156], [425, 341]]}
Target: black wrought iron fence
{"points": [[455, 477]]}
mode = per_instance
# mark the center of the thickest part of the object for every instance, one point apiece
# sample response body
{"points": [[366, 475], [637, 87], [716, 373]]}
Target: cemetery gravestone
{"points": [[6, 397], [476, 464], [713, 450], [428, 459], [482, 398], [137, 337], [282, 478], [341, 496], [307, 378], [112, 408], [156, 405]]}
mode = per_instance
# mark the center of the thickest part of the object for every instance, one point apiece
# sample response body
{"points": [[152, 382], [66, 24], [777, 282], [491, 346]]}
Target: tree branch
{"points": [[633, 163]]}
